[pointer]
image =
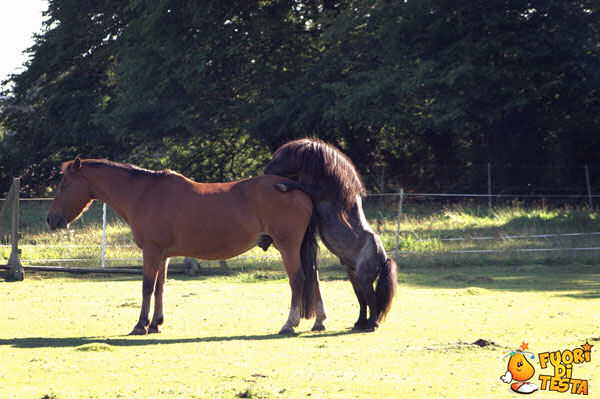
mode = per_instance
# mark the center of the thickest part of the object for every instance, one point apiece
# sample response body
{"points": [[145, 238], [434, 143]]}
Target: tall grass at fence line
{"points": [[424, 230], [426, 227]]}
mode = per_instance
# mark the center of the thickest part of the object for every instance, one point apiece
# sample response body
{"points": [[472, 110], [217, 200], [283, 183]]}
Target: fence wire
{"points": [[417, 228]]}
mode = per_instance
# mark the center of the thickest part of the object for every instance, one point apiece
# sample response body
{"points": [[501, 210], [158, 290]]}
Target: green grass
{"points": [[436, 235], [424, 233], [65, 337]]}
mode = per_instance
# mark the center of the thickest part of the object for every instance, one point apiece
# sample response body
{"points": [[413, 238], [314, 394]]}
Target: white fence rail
{"points": [[400, 197]]}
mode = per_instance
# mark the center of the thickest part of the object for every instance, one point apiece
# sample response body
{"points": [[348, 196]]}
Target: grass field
{"points": [[430, 235], [65, 337]]}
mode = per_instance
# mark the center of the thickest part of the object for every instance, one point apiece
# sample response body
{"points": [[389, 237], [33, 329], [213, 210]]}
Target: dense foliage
{"points": [[427, 92]]}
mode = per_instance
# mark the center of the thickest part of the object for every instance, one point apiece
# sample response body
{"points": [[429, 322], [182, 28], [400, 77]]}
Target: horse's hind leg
{"points": [[366, 275], [293, 267], [361, 323], [158, 317], [319, 308], [150, 273]]}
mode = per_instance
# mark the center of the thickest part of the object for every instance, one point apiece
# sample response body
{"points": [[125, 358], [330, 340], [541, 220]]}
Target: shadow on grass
{"points": [[246, 273], [585, 295], [127, 341], [581, 281], [578, 281]]}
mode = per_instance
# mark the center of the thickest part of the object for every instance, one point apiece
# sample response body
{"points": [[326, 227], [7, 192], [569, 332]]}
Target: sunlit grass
{"points": [[428, 235], [66, 336]]}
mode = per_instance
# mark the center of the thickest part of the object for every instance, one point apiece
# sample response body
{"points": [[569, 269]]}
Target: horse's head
{"points": [[329, 173], [72, 198], [285, 162]]}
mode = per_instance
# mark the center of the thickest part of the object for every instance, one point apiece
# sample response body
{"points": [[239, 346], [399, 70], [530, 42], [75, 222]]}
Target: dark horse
{"points": [[331, 180], [170, 215]]}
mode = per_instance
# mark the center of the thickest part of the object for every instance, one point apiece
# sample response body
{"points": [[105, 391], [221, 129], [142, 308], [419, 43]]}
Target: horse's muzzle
{"points": [[56, 221]]}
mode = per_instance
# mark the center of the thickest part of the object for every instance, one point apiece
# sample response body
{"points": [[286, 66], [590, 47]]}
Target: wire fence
{"points": [[492, 179], [416, 228]]}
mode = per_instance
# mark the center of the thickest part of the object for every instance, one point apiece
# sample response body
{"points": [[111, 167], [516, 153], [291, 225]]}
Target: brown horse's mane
{"points": [[131, 170], [326, 168]]}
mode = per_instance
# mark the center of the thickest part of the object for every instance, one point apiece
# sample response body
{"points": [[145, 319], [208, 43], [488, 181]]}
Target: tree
{"points": [[50, 110], [426, 90], [428, 87]]}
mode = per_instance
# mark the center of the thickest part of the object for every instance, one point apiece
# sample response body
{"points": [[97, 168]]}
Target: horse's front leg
{"points": [[158, 317], [150, 272]]}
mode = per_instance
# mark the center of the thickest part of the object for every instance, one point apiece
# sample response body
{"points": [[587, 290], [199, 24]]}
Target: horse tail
{"points": [[386, 288], [308, 259]]}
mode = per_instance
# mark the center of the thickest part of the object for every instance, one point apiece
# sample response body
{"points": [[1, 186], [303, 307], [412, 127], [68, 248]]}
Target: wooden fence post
{"points": [[191, 266], [589, 187], [399, 216], [489, 183], [103, 260], [15, 268]]}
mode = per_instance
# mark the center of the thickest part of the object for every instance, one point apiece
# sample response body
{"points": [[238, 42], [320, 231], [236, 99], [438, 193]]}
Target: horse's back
{"points": [[261, 190], [274, 208], [179, 195], [218, 220]]}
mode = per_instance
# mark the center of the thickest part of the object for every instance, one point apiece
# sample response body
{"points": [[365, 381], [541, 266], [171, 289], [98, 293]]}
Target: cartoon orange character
{"points": [[520, 370]]}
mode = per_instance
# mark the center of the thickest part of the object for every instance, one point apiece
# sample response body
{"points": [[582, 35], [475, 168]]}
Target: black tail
{"points": [[386, 288], [308, 259]]}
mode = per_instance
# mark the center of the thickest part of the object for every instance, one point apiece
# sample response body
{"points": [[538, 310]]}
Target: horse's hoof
{"points": [[153, 329], [360, 326], [370, 327], [139, 331], [286, 330], [318, 327]]}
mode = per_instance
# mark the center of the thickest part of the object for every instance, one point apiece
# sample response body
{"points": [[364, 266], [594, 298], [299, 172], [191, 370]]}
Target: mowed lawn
{"points": [[66, 337]]}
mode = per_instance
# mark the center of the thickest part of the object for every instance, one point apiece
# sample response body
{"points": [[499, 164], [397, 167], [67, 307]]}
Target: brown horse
{"points": [[170, 215], [331, 180]]}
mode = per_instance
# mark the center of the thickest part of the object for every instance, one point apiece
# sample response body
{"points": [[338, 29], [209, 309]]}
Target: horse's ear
{"points": [[76, 164]]}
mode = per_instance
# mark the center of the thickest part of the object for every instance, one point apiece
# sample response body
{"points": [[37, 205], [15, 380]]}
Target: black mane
{"points": [[324, 167]]}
